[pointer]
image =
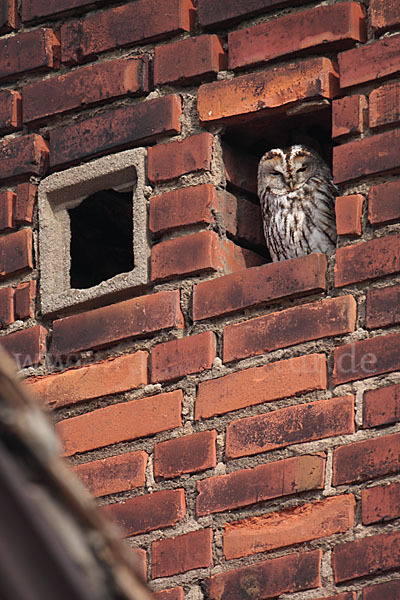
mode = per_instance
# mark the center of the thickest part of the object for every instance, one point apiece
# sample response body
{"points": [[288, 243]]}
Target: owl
{"points": [[297, 195]]}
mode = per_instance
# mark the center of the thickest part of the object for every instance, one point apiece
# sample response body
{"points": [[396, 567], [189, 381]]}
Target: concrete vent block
{"points": [[60, 193]]}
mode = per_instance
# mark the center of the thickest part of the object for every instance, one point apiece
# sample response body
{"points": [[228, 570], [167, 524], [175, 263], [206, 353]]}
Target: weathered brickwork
{"points": [[238, 419]]}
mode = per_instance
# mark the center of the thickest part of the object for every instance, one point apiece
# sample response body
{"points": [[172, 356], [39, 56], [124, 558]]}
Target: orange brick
{"points": [[269, 578], [390, 590], [338, 26], [383, 203], [183, 553], [240, 168], [38, 49], [148, 512], [188, 454], [189, 60], [214, 13], [383, 307], [7, 202], [178, 358], [25, 295], [334, 316], [265, 482], [291, 425], [366, 460], [287, 527], [175, 593], [367, 260], [384, 105], [25, 203], [24, 155], [132, 318], [111, 376], [121, 422], [272, 88], [258, 285], [167, 161], [16, 253], [365, 556], [198, 253], [26, 347], [380, 503], [140, 562], [114, 474], [370, 155], [348, 115], [348, 211], [373, 61], [7, 315], [382, 406], [384, 15], [10, 111], [267, 383], [366, 358]]}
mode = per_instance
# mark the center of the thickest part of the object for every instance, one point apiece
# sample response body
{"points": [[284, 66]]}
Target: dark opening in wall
{"points": [[101, 238], [245, 143]]}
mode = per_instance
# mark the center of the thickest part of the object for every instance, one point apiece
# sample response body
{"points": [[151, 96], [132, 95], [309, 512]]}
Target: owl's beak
{"points": [[291, 185]]}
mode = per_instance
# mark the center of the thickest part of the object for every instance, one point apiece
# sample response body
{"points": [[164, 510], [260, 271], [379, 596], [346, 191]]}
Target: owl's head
{"points": [[283, 170]]}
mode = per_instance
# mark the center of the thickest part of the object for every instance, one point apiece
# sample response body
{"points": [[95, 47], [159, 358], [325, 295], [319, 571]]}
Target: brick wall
{"points": [[240, 419]]}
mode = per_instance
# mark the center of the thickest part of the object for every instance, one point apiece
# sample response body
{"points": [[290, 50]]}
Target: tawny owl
{"points": [[297, 202]]}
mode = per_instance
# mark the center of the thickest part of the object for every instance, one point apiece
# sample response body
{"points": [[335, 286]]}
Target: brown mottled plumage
{"points": [[297, 201]]}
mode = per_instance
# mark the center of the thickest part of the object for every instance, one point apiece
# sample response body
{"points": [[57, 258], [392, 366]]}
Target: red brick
{"points": [[390, 590], [167, 161], [121, 422], [381, 503], [339, 26], [140, 562], [26, 347], [365, 556], [114, 130], [384, 105], [198, 253], [8, 15], [265, 482], [368, 156], [25, 204], [25, 295], [133, 23], [184, 356], [10, 111], [34, 9], [36, 50], [366, 358], [382, 406], [247, 225], [137, 317], [179, 208], [291, 425], [269, 89], [148, 512], [269, 382], [183, 553], [374, 61], [188, 454], [175, 593], [384, 14], [189, 60], [330, 317], [114, 474], [84, 87], [367, 260], [348, 115], [6, 307], [240, 168], [268, 579], [383, 203], [287, 527], [366, 460], [26, 155], [253, 287], [348, 211], [383, 307], [7, 201], [112, 376], [215, 13], [16, 253]]}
